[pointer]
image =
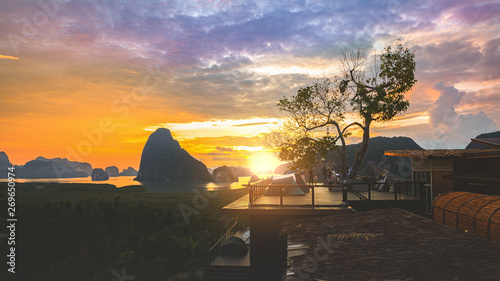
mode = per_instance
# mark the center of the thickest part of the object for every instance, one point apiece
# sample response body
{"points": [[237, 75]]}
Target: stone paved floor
{"points": [[388, 244]]}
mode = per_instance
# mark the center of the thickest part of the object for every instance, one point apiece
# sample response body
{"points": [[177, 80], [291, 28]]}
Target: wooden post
{"points": [[281, 196], [312, 195], [396, 185], [344, 193]]}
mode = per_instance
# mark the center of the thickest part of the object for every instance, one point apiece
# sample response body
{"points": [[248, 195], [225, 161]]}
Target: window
{"points": [[425, 176]]}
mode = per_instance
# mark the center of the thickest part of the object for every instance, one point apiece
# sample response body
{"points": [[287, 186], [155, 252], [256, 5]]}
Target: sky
{"points": [[90, 80]]}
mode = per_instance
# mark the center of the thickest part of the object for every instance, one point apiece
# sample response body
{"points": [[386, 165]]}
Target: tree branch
{"points": [[352, 124], [330, 122]]}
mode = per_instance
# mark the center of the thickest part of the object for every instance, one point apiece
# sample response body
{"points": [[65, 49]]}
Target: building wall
{"points": [[432, 165], [440, 184], [432, 172]]}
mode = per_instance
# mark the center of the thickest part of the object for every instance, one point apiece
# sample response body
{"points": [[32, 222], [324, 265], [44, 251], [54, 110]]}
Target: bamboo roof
{"points": [[445, 153]]}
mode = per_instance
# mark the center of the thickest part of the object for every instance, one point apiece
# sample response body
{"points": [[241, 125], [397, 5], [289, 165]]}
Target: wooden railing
{"points": [[408, 188], [256, 190], [215, 249]]}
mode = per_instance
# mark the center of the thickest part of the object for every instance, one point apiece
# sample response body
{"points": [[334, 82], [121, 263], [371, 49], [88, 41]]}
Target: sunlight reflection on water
{"points": [[161, 187]]}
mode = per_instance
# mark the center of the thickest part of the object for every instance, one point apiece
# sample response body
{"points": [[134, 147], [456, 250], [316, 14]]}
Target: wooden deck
{"points": [[241, 206], [325, 202]]}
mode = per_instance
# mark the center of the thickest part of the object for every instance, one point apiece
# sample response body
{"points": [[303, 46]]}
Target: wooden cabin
{"points": [[446, 170]]}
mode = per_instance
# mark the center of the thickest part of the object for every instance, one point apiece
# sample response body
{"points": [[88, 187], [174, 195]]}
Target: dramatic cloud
{"points": [[67, 65], [449, 126]]}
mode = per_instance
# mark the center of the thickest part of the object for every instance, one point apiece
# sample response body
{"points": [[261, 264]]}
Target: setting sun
{"points": [[263, 161]]}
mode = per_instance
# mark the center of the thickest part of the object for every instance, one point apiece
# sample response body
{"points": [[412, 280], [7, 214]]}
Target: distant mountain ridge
{"points": [[75, 165], [224, 174], [4, 164], [375, 161], [163, 159], [238, 171], [472, 145], [42, 168], [45, 168], [112, 171], [4, 161], [128, 172]]}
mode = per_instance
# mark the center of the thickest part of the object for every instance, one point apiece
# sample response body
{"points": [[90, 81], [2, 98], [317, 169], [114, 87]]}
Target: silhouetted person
{"points": [[323, 174]]}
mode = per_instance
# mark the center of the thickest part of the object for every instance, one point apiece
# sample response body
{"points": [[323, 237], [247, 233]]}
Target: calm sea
{"points": [[162, 187]]}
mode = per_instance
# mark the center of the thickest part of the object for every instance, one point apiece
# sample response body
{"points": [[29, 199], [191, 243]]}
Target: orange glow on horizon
{"points": [[263, 161]]}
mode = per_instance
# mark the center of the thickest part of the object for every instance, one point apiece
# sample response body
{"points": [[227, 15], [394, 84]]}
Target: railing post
{"points": [[396, 185], [281, 196], [250, 196], [369, 192], [344, 194], [312, 195]]}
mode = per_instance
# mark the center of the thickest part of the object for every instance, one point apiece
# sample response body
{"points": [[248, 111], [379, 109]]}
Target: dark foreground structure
{"points": [[388, 244], [358, 230], [268, 249]]}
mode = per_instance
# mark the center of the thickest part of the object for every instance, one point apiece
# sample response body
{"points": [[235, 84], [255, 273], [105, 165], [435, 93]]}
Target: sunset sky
{"points": [[91, 80]]}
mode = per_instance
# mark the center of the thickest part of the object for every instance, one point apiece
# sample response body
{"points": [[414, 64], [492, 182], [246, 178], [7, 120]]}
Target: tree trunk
{"points": [[343, 170], [342, 157], [360, 155], [341, 152]]}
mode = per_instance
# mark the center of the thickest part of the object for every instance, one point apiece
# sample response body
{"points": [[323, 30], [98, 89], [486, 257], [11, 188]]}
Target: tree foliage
{"points": [[299, 150], [376, 93]]}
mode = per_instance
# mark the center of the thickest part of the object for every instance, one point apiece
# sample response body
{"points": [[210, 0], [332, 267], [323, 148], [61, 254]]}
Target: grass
{"points": [[85, 231]]}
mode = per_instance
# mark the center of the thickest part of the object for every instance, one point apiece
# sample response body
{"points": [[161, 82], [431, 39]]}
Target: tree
{"points": [[300, 149], [374, 92]]}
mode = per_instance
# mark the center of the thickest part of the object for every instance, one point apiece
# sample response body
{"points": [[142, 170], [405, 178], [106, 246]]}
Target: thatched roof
{"points": [[445, 153], [389, 244]]}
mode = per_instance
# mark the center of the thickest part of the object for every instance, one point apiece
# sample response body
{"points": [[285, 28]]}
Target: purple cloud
{"points": [[205, 49], [450, 128]]}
